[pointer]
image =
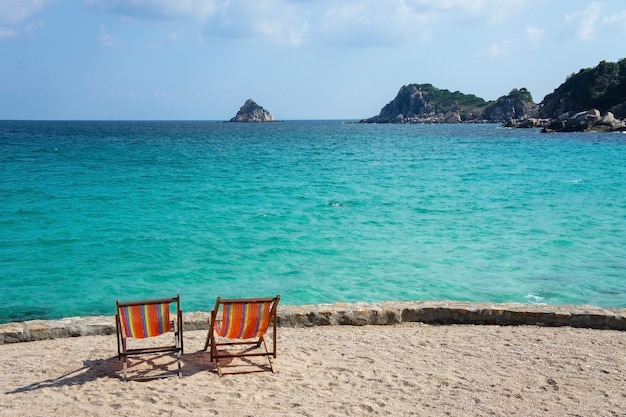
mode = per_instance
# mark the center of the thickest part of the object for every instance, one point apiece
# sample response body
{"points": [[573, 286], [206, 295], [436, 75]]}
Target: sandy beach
{"points": [[409, 369]]}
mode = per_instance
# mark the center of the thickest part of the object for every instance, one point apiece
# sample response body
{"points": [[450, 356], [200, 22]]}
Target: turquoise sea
{"points": [[318, 211]]}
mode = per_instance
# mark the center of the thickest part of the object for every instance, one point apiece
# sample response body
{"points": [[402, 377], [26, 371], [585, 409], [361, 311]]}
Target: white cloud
{"points": [[596, 21], [15, 17], [617, 19], [157, 9], [172, 37], [17, 11], [106, 39], [534, 34], [275, 20], [498, 50], [586, 21], [487, 9], [298, 22], [278, 21], [6, 33], [281, 32], [365, 23]]}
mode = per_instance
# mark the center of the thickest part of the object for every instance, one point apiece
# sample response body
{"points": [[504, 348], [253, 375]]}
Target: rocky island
{"points": [[424, 103], [594, 99], [251, 112]]}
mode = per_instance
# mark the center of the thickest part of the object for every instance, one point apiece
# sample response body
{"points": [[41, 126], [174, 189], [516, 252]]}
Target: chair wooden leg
{"points": [[213, 349], [125, 369], [209, 339], [178, 337], [269, 358], [217, 366], [125, 359]]}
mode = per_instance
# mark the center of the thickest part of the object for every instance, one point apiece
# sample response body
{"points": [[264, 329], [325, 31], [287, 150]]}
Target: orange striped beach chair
{"points": [[237, 329], [149, 319]]}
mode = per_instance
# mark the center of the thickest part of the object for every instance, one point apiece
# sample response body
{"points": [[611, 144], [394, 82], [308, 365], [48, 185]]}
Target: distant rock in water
{"points": [[252, 113]]}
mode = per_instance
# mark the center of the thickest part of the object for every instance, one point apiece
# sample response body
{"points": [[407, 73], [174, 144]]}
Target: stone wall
{"points": [[359, 314]]}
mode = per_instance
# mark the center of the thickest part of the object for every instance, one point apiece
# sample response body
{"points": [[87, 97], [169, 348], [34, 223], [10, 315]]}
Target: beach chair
{"points": [[237, 329], [149, 319]]}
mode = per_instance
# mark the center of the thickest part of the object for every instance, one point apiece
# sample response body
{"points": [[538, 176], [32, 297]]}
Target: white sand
{"points": [[402, 370]]}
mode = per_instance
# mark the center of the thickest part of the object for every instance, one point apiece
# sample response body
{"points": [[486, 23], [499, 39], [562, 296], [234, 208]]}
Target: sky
{"points": [[299, 59]]}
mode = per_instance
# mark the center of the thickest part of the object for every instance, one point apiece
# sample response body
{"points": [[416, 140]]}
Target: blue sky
{"points": [[300, 59]]}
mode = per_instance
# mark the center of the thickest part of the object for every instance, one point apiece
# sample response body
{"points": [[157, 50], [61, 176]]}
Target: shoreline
{"points": [[354, 314]]}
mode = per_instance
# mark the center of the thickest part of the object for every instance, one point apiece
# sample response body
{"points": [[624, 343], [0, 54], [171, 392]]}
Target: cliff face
{"points": [[252, 112], [517, 105], [423, 103]]}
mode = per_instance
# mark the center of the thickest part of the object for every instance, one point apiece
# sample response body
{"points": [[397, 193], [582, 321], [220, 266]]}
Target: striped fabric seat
{"points": [[237, 328], [145, 320], [244, 320]]}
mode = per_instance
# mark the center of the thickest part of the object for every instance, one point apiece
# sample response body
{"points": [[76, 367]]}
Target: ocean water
{"points": [[318, 211]]}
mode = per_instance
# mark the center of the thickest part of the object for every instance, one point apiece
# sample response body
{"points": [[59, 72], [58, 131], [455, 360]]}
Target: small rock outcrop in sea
{"points": [[252, 112], [583, 121]]}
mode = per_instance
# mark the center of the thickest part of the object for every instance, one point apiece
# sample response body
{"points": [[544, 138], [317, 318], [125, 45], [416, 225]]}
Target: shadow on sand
{"points": [[92, 370]]}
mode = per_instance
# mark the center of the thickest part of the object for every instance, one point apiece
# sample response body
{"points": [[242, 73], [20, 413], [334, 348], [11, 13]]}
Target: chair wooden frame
{"points": [[137, 320], [250, 332]]}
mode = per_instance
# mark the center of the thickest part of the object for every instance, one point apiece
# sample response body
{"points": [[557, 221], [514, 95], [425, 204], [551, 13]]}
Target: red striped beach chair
{"points": [[148, 319], [237, 329]]}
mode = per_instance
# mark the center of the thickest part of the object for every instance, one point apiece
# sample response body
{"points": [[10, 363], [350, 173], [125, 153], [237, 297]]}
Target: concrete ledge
{"points": [[358, 314]]}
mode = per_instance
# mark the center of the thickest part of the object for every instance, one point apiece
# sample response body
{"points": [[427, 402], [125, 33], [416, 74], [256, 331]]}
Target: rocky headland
{"points": [[252, 113], [594, 99], [424, 103]]}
